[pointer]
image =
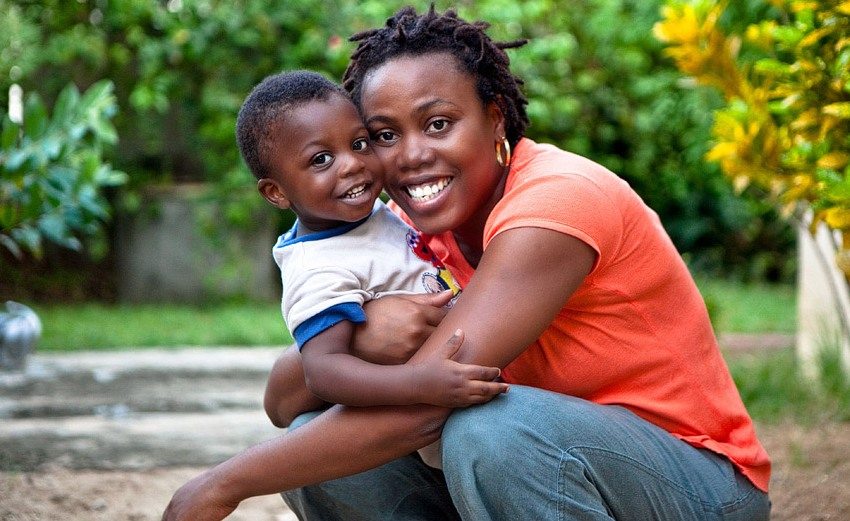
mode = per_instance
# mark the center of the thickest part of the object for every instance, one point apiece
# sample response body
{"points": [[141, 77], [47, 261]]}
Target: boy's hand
{"points": [[441, 381], [397, 326]]}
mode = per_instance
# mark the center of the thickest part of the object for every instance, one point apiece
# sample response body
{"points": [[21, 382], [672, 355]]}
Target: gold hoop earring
{"points": [[506, 160]]}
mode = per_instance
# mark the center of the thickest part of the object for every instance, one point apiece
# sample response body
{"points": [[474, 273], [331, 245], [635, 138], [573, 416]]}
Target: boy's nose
{"points": [[351, 164]]}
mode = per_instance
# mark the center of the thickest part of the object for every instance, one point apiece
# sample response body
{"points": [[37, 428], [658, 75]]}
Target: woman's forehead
{"points": [[420, 77]]}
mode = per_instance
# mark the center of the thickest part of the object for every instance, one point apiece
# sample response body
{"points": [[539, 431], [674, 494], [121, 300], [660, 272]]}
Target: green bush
{"points": [[53, 172], [596, 78], [599, 85], [783, 71]]}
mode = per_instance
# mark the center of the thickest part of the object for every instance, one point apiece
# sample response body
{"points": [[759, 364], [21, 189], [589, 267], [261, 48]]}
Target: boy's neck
{"points": [[301, 230]]}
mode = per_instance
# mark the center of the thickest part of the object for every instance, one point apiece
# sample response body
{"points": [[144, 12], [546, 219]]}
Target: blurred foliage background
{"points": [[598, 82], [785, 125]]}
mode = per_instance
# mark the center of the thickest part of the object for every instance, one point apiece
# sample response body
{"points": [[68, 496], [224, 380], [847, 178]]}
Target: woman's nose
{"points": [[414, 153]]}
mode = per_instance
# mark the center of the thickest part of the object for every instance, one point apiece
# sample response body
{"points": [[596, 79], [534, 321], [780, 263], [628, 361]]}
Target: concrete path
{"points": [[134, 409], [155, 408], [110, 435]]}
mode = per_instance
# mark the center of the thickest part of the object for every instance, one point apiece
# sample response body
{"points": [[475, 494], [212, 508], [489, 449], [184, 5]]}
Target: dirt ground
{"points": [[811, 482]]}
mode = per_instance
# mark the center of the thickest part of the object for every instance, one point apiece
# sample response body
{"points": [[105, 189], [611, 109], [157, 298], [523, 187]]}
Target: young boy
{"points": [[303, 139]]}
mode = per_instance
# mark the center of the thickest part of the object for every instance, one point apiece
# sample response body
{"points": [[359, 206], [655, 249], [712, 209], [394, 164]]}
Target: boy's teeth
{"points": [[356, 191], [424, 192]]}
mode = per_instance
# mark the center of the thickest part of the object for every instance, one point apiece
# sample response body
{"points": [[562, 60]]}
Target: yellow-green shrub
{"points": [[786, 80]]}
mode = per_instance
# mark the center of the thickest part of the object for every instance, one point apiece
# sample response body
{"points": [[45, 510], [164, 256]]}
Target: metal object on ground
{"points": [[20, 329]]}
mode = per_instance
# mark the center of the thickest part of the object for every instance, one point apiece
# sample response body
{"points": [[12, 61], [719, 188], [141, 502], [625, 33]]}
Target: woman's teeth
{"points": [[424, 192], [355, 192]]}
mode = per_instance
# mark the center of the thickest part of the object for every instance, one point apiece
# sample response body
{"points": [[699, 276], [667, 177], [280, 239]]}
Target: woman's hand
{"points": [[198, 500], [397, 326]]}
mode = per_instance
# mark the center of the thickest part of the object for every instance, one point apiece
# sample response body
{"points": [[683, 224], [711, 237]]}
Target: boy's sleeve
{"points": [[315, 300]]}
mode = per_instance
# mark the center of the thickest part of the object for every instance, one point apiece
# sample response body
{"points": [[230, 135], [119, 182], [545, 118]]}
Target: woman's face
{"points": [[436, 139]]}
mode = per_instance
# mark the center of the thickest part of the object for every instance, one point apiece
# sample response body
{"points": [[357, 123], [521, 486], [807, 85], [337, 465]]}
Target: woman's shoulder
{"points": [[547, 168], [534, 162]]}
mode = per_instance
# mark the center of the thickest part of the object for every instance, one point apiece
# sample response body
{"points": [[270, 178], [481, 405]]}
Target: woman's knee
{"points": [[524, 420]]}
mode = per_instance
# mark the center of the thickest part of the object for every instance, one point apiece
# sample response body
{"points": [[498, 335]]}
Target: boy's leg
{"points": [[405, 490], [534, 454]]}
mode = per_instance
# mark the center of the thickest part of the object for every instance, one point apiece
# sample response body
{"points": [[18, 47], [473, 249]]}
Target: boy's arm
{"points": [[286, 393], [398, 325], [336, 376], [382, 340]]}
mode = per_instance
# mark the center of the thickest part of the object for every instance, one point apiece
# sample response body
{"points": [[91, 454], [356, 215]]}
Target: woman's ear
{"points": [[273, 193], [497, 116]]}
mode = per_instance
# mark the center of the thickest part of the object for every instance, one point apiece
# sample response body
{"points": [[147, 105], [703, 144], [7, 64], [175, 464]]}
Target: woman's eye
{"points": [[438, 125], [360, 145], [321, 159], [384, 136]]}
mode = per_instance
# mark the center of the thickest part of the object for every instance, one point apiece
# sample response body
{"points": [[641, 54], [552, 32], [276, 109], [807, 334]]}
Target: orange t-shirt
{"points": [[636, 333]]}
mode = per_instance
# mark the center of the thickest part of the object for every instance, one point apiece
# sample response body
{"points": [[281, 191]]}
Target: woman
{"points": [[620, 406]]}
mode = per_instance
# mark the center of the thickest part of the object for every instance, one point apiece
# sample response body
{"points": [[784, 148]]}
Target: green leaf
{"points": [[16, 159], [65, 106], [35, 117], [104, 130], [9, 136], [53, 227], [11, 245], [95, 94], [51, 147], [771, 66], [28, 238]]}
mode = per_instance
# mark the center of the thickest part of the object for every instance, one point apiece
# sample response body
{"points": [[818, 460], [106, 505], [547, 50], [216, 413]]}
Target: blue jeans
{"points": [[537, 455]]}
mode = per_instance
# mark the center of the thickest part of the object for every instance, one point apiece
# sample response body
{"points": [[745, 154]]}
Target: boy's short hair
{"points": [[263, 110]]}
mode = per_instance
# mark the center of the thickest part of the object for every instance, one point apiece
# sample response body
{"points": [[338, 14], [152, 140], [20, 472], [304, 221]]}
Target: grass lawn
{"points": [[751, 308], [735, 308], [99, 326]]}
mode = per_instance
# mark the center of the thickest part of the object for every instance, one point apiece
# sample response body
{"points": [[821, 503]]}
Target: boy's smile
{"points": [[323, 165]]}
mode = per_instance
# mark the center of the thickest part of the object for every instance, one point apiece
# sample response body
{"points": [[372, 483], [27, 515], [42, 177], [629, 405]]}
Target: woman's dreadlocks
{"points": [[409, 33]]}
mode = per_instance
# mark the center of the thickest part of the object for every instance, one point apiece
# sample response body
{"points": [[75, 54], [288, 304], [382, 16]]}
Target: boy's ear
{"points": [[273, 193]]}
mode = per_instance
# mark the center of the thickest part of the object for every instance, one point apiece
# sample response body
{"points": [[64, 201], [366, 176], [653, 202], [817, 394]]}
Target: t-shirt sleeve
{"points": [[315, 300], [567, 203]]}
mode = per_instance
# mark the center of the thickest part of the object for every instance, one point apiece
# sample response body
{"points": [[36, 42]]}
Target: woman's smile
{"points": [[436, 141], [427, 191]]}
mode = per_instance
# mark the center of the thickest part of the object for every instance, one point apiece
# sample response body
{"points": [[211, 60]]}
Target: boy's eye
{"points": [[321, 159], [360, 145]]}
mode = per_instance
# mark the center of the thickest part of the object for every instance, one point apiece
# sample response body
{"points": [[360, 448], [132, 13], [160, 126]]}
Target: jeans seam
{"points": [[649, 470], [561, 492]]}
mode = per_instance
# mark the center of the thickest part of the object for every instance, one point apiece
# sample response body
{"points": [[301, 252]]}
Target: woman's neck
{"points": [[470, 235]]}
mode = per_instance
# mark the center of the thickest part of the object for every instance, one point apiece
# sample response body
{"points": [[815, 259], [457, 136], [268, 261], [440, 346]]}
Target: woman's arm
{"points": [[524, 278], [340, 442]]}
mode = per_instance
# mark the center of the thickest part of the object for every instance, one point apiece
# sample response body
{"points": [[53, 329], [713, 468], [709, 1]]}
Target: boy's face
{"points": [[322, 165]]}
